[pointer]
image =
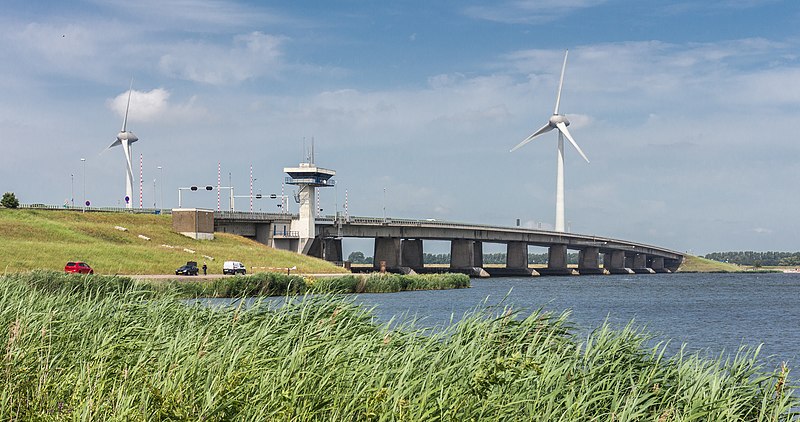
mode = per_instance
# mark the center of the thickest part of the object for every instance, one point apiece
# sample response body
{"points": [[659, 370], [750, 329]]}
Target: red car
{"points": [[78, 267]]}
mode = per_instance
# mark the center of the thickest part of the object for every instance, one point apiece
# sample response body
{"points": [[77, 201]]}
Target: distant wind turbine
{"points": [[126, 138], [560, 122]]}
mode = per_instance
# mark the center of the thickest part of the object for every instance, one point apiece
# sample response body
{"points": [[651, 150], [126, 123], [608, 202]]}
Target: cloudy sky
{"points": [[688, 110]]}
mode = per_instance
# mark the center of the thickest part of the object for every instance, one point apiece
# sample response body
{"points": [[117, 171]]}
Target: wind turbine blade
{"points": [[563, 128], [561, 82], [543, 129], [125, 121], [117, 142]]}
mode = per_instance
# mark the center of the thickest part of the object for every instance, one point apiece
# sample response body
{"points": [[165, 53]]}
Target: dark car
{"points": [[78, 267], [189, 269]]}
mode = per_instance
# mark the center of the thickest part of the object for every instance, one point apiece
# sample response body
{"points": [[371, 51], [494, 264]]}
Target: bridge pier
{"points": [[411, 253], [463, 257], [516, 261], [657, 264], [557, 261], [673, 264], [614, 262], [589, 261], [640, 264], [332, 250], [387, 249]]}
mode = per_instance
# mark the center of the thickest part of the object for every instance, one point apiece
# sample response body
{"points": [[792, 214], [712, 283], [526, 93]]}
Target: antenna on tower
{"points": [[312, 150]]}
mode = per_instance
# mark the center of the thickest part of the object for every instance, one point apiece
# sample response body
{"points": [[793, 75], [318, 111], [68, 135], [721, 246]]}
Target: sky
{"points": [[687, 110]]}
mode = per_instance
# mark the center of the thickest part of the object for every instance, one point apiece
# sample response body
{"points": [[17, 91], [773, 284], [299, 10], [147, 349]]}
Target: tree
{"points": [[356, 257], [9, 200]]}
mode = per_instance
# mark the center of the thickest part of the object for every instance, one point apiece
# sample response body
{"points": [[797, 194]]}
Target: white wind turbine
{"points": [[560, 122], [126, 138]]}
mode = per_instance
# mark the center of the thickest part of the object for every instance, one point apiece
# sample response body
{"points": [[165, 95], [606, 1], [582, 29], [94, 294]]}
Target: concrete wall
{"points": [[194, 222]]}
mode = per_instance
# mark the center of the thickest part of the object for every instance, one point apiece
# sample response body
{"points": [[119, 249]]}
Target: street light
{"points": [[191, 188], [161, 185], [83, 160]]}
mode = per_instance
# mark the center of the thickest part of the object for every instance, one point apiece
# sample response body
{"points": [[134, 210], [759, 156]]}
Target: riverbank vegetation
{"points": [[110, 242], [757, 259], [106, 348], [278, 284]]}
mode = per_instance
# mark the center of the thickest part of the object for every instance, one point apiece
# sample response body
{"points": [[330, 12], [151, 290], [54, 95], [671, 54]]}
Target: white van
{"points": [[233, 267]]}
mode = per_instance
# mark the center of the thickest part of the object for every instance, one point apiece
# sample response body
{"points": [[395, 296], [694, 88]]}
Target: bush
{"points": [[9, 200]]}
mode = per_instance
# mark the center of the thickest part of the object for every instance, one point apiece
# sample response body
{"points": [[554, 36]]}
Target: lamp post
{"points": [[161, 185], [230, 188], [83, 160]]}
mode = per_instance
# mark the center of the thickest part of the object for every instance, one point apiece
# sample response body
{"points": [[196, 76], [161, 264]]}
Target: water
{"points": [[710, 313], [713, 314]]}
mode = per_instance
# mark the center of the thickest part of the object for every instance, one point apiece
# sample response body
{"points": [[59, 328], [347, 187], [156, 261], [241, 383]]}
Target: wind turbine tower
{"points": [[126, 138], [560, 122]]}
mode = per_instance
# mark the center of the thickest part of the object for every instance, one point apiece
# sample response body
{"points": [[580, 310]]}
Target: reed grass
{"points": [[102, 348]]}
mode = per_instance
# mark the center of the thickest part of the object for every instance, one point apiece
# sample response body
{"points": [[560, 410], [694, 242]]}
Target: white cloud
{"points": [[250, 55], [529, 11], [145, 106]]}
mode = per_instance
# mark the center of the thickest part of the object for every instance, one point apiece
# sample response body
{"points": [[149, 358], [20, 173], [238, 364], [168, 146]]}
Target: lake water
{"points": [[709, 313], [713, 313]]}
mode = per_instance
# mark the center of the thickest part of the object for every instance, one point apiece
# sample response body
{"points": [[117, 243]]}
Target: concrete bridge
{"points": [[399, 244]]}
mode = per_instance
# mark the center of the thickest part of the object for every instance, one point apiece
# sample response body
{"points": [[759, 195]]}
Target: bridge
{"points": [[399, 244]]}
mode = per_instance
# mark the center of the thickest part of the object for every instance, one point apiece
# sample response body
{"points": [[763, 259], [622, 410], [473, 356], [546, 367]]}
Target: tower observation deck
{"points": [[307, 177]]}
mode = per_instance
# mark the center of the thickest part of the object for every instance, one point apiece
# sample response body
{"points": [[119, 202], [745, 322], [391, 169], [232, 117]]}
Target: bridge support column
{"points": [[657, 264], [614, 262], [477, 252], [672, 264], [589, 261], [462, 257], [640, 264], [332, 250], [386, 249], [411, 253], [517, 255], [557, 261]]}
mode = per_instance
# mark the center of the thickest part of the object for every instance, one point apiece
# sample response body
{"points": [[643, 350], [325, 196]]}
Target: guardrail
{"points": [[96, 209]]}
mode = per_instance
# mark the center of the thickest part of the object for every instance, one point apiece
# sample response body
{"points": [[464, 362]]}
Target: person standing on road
{"points": [[205, 267]]}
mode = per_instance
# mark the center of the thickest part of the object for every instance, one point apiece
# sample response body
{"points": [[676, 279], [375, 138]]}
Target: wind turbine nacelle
{"points": [[127, 136], [558, 118]]}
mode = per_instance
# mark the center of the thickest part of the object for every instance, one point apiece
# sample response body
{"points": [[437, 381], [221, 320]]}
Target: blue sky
{"points": [[687, 110]]}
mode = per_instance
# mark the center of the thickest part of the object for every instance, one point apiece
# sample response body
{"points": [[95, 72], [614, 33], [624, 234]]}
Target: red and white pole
{"points": [[283, 199], [219, 181], [251, 188], [141, 172], [346, 215]]}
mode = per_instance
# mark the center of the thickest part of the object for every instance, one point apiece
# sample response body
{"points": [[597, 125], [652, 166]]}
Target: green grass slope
{"points": [[696, 264], [31, 239]]}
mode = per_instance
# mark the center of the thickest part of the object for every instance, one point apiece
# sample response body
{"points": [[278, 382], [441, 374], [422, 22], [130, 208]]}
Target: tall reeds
{"points": [[104, 349]]}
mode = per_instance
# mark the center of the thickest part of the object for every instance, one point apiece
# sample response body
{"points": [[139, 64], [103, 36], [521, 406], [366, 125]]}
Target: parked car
{"points": [[189, 269], [78, 267], [233, 267]]}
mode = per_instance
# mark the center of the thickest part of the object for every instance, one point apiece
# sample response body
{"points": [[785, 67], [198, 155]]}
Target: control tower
{"points": [[308, 177]]}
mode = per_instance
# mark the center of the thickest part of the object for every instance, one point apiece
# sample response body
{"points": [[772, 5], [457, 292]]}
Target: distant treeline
{"points": [[757, 258], [444, 258]]}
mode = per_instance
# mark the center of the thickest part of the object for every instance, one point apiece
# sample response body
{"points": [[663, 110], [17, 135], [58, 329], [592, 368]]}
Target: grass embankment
{"points": [[97, 351], [696, 264], [33, 239]]}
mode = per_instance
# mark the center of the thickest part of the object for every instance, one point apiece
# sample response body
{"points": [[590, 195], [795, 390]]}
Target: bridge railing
{"points": [[96, 209]]}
